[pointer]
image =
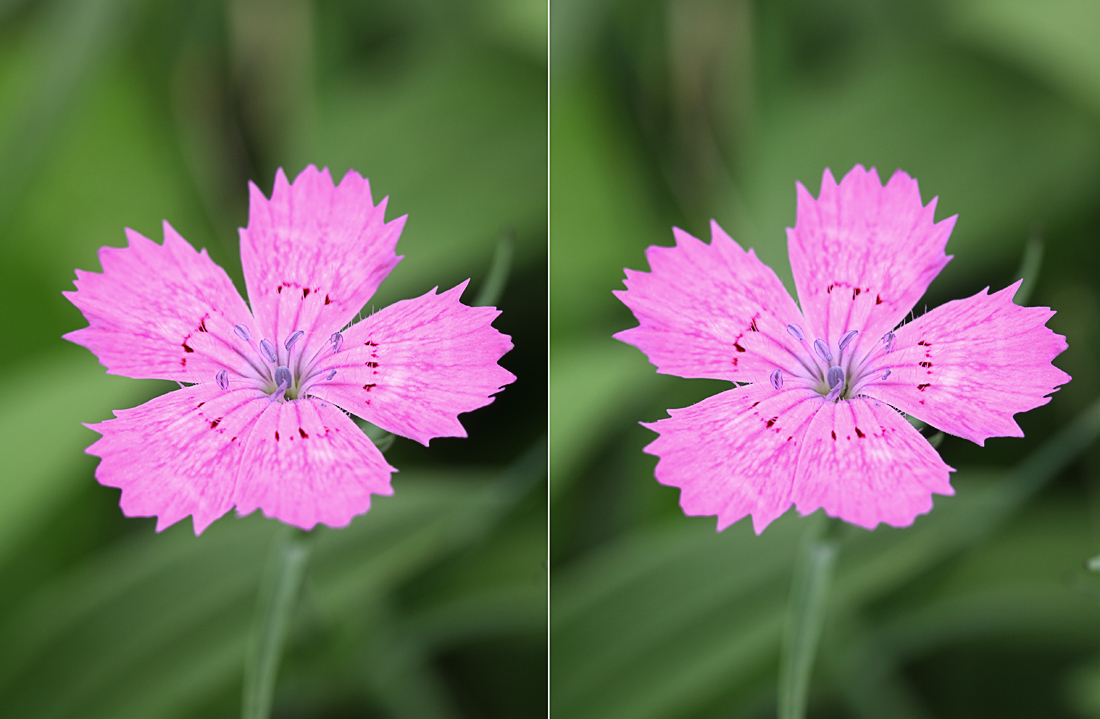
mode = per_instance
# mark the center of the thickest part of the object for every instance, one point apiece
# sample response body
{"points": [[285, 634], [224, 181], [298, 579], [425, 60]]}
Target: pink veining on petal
{"points": [[711, 311], [307, 463], [314, 254], [178, 454], [863, 254], [864, 463], [414, 366], [160, 311], [736, 453], [968, 366]]}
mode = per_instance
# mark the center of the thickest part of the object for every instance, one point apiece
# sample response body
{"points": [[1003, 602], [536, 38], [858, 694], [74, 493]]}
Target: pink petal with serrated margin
{"points": [[314, 254], [711, 311], [984, 359], [160, 311], [863, 254], [414, 366]]}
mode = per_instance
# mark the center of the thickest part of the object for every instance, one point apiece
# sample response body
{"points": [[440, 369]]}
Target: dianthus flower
{"points": [[816, 417], [257, 421]]}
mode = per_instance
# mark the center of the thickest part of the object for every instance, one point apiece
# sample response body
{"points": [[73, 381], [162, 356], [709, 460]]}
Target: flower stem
{"points": [[805, 616], [278, 592]]}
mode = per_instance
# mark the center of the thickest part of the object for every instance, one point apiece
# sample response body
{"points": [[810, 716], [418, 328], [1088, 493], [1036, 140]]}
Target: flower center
{"points": [[280, 373], [836, 377]]}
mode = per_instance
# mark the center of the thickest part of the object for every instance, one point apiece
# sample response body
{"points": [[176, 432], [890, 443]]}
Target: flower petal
{"points": [[314, 254], [178, 454], [306, 462], [863, 462], [712, 311], [735, 453], [414, 366], [160, 311], [967, 366], [863, 254]]}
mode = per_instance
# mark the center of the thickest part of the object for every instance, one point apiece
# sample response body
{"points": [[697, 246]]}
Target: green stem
{"points": [[278, 593], [805, 616]]}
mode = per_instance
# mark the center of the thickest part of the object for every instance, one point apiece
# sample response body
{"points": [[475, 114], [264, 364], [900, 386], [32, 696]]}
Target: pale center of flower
{"points": [[281, 373], [837, 377]]}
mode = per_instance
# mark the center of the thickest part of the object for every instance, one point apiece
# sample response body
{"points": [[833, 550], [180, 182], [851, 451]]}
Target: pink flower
{"points": [[257, 423], [815, 419]]}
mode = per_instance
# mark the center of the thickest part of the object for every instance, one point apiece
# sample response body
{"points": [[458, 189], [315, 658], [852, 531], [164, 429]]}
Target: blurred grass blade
{"points": [[805, 615], [1093, 564], [1030, 265], [278, 593], [499, 270]]}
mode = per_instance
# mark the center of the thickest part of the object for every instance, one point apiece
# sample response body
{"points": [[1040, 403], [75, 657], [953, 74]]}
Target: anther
{"points": [[888, 340], [885, 374], [330, 375], [777, 379], [835, 377], [242, 332], [282, 376], [337, 341], [297, 335], [823, 350], [223, 379], [847, 339], [796, 332], [268, 350]]}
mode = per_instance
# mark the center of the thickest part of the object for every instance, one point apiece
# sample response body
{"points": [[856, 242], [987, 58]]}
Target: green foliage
{"points": [[122, 113], [673, 112]]}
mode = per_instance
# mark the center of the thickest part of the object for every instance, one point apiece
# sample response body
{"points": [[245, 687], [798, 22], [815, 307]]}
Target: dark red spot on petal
{"points": [[303, 433], [215, 423], [834, 434], [830, 289], [186, 348], [276, 435], [789, 438], [738, 347], [859, 433], [233, 440], [305, 293], [372, 364], [183, 362], [734, 361], [755, 403], [752, 325], [202, 325], [279, 289], [772, 421], [925, 364], [327, 300], [367, 387], [878, 299], [922, 342], [200, 404], [855, 293], [371, 343], [921, 388]]}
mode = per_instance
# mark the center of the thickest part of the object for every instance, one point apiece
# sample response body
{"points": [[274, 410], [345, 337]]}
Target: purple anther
{"points": [[337, 341], [223, 379], [835, 377], [885, 374], [823, 350], [847, 339], [796, 332], [294, 337], [282, 376], [330, 375], [242, 332], [888, 340], [268, 350], [777, 379]]}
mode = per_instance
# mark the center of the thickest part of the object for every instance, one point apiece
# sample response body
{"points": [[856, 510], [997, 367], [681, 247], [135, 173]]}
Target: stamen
{"points": [[268, 350], [796, 332], [292, 339], [823, 350], [282, 376], [777, 379], [331, 374], [223, 379], [836, 382], [847, 339], [242, 332], [337, 341], [885, 374], [888, 340]]}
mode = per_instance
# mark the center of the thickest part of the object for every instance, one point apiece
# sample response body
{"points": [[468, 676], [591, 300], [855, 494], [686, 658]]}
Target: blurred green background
{"points": [[671, 112], [121, 113]]}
